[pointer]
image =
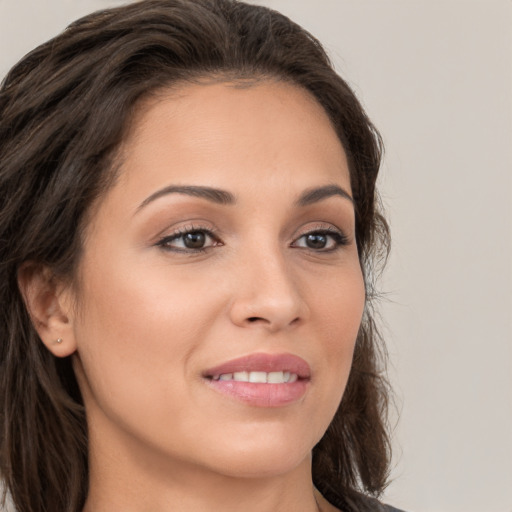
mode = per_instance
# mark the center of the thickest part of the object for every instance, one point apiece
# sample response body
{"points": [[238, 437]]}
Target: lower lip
{"points": [[262, 395]]}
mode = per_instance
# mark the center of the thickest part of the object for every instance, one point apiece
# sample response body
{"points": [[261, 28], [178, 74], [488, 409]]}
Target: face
{"points": [[220, 291]]}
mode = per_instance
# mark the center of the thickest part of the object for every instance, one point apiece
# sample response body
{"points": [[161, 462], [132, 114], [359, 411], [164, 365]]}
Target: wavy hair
{"points": [[64, 109]]}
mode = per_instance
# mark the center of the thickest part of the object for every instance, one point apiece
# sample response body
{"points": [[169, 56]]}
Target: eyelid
{"points": [[319, 226], [336, 233], [179, 232]]}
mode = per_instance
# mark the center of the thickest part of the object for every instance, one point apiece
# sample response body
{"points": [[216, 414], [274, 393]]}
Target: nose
{"points": [[267, 294]]}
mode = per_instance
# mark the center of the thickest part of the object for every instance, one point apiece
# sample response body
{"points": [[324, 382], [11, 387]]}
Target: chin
{"points": [[255, 467], [265, 454]]}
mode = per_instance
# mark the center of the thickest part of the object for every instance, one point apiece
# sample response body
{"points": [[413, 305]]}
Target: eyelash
{"points": [[165, 241], [339, 239]]}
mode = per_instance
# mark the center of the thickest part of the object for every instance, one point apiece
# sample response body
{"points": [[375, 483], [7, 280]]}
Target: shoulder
{"points": [[374, 505], [361, 503], [389, 508]]}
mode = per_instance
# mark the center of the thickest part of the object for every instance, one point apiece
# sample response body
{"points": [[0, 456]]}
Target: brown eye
{"points": [[324, 240], [194, 240], [189, 241], [316, 240]]}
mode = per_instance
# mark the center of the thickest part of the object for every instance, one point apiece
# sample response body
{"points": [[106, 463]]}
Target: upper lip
{"points": [[262, 362]]}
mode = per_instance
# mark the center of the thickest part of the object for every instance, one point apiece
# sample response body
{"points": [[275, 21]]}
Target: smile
{"points": [[262, 380], [259, 377]]}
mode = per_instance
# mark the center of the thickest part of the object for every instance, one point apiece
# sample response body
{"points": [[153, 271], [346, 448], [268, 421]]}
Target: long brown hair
{"points": [[64, 110]]}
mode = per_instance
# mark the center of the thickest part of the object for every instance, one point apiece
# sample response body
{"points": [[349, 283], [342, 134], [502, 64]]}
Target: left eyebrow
{"points": [[314, 195], [214, 195]]}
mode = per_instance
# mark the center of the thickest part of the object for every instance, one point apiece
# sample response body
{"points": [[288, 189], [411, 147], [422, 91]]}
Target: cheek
{"points": [[143, 303], [339, 306], [135, 340], [136, 330], [339, 311]]}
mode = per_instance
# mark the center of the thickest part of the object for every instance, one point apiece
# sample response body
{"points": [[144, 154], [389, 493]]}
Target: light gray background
{"points": [[436, 78]]}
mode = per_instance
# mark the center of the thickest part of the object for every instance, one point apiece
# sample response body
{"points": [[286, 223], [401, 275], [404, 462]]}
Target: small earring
{"points": [[58, 340]]}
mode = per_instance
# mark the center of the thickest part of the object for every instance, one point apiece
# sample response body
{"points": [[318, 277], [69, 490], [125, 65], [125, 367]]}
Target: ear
{"points": [[49, 303]]}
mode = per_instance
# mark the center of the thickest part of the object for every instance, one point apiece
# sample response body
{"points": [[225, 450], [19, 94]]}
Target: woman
{"points": [[189, 230]]}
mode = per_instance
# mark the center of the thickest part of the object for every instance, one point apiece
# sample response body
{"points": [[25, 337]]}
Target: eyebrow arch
{"points": [[214, 195], [318, 194]]}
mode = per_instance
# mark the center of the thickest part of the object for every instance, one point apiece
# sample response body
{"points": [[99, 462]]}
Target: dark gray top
{"points": [[361, 503]]}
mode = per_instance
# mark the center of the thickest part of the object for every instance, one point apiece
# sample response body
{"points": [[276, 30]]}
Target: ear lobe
{"points": [[48, 303]]}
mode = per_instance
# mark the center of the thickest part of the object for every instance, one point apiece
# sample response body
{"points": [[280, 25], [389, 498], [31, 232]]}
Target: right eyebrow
{"points": [[315, 195], [214, 195]]}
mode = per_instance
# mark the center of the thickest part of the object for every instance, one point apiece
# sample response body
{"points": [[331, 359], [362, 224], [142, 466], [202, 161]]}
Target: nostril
{"points": [[256, 319]]}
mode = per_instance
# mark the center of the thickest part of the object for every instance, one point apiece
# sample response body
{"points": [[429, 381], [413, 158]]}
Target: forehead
{"points": [[227, 135]]}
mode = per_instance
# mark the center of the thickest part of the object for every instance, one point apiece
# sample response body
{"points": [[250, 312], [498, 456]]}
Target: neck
{"points": [[135, 481], [192, 489]]}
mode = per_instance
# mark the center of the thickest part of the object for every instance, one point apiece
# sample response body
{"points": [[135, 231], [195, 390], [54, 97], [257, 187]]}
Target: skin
{"points": [[145, 319]]}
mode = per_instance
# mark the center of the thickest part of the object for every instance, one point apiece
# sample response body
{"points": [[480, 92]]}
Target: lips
{"points": [[261, 362], [261, 380]]}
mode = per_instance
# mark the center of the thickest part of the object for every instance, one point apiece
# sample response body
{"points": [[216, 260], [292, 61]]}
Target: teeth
{"points": [[259, 377], [277, 377]]}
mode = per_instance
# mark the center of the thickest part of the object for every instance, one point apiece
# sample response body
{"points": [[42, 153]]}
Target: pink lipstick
{"points": [[262, 380]]}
